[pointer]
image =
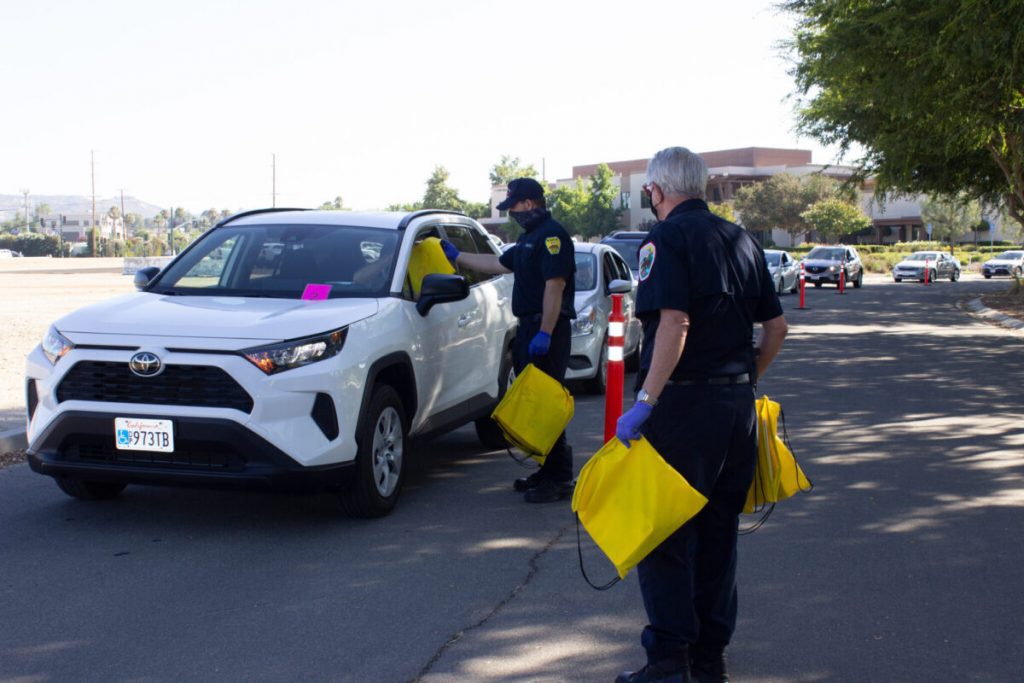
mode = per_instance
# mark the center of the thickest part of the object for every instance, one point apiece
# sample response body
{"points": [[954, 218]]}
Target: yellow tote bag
{"points": [[534, 411], [777, 476], [427, 257], [630, 500]]}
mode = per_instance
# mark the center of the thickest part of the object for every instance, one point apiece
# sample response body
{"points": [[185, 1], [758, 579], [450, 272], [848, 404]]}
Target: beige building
{"points": [[898, 220]]}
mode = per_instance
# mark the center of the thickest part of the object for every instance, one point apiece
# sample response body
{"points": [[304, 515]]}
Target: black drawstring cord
{"points": [[579, 552]]}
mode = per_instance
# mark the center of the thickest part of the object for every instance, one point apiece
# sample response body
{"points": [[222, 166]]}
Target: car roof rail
{"points": [[253, 212], [409, 218]]}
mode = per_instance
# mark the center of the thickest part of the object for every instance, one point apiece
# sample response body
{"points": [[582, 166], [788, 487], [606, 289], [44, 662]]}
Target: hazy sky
{"points": [[185, 102]]}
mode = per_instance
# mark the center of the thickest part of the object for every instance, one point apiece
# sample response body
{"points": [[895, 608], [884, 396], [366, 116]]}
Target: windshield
{"points": [[773, 258], [1010, 255], [586, 271], [923, 256], [629, 251], [280, 261], [827, 253]]}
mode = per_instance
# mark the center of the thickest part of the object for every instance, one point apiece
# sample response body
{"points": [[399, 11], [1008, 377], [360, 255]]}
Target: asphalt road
{"points": [[903, 564]]}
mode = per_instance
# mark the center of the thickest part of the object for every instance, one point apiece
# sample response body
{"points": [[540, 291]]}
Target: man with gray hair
{"points": [[703, 284]]}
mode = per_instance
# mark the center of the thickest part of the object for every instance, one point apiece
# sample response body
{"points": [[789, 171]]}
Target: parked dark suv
{"points": [[627, 243]]}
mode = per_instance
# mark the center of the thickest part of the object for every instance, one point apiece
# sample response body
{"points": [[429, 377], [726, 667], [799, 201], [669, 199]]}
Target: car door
{"points": [[787, 270], [632, 324], [476, 340]]}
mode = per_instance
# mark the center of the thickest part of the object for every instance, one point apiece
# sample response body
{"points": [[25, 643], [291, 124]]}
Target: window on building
{"points": [[503, 214], [645, 200], [716, 195], [624, 200]]}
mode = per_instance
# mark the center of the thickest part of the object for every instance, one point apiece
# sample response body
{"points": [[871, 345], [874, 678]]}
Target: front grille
{"points": [[816, 269], [201, 386], [198, 456]]}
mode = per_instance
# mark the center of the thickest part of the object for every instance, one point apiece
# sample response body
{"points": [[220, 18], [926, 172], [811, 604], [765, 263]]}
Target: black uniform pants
{"points": [[708, 433], [558, 465]]}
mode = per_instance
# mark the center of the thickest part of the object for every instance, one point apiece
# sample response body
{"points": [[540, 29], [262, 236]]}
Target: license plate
{"points": [[143, 434]]}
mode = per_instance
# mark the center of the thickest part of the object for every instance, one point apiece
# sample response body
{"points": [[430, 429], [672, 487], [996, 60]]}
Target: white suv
{"points": [[283, 349]]}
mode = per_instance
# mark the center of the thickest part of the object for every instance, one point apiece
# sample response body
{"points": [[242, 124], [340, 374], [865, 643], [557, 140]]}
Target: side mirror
{"points": [[439, 289], [144, 275], [620, 287]]}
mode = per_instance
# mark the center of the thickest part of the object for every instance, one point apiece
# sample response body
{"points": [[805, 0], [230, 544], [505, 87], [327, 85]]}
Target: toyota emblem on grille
{"points": [[145, 364]]}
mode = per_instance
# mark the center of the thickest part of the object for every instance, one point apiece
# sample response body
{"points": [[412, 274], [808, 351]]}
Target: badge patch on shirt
{"points": [[647, 253], [553, 244]]}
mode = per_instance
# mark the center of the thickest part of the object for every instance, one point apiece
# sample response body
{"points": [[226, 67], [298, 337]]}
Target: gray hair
{"points": [[678, 171]]}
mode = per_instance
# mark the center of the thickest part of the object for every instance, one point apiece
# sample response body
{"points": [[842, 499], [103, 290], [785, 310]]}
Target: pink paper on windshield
{"points": [[316, 292]]}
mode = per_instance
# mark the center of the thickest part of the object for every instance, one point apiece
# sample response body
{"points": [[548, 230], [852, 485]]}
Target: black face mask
{"points": [[527, 219], [654, 210]]}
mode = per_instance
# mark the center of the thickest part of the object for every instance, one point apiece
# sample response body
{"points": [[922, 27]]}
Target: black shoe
{"points": [[708, 668], [523, 484], [548, 491], [652, 674]]}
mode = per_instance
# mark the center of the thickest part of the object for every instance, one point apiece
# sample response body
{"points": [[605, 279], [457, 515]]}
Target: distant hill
{"points": [[11, 204]]}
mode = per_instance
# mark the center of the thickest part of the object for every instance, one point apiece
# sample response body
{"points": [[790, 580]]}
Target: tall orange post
{"points": [[927, 265], [616, 368]]}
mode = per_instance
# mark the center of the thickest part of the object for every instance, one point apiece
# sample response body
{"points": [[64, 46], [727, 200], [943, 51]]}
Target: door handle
{"points": [[464, 319]]}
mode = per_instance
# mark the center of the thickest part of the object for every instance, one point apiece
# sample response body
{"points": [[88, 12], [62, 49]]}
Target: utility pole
{"points": [[170, 229], [92, 229], [124, 222], [273, 180], [25, 192]]}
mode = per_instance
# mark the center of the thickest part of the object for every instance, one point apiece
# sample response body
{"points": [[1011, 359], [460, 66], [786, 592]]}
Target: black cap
{"points": [[520, 189]]}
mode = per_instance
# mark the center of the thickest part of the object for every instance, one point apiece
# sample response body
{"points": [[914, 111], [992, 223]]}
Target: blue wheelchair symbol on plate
{"points": [[123, 437]]}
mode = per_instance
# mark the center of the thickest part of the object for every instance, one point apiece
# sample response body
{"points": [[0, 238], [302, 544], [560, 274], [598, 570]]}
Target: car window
{"points": [[772, 257], [464, 238], [629, 251], [825, 254], [280, 260], [586, 271], [1010, 255], [622, 270]]}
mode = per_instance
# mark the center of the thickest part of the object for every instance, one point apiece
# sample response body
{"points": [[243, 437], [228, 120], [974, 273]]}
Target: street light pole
{"points": [[25, 192]]}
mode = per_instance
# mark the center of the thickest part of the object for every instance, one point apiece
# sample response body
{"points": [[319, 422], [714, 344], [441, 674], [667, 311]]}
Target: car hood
{"points": [[912, 264], [1002, 262], [584, 299], [821, 262], [160, 315]]}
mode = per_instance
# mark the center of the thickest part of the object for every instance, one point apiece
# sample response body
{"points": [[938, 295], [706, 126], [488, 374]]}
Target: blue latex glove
{"points": [[450, 251], [540, 344], [628, 427]]}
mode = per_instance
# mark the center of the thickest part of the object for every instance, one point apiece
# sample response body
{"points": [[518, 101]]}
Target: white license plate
{"points": [[143, 434]]}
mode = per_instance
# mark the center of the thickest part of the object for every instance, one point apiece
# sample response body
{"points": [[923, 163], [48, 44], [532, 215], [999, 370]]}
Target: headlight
{"points": [[296, 353], [832, 269], [55, 345], [584, 322]]}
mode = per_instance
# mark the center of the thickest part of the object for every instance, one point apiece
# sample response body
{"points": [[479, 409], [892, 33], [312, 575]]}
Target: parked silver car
{"points": [[940, 265], [600, 272], [1007, 263], [784, 269], [823, 264]]}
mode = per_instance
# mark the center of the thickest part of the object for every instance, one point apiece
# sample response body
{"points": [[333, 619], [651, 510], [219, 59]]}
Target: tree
{"points": [[931, 91], [477, 209], [950, 217], [723, 211], [780, 202], [589, 208], [439, 195], [834, 218], [335, 205], [510, 168]]}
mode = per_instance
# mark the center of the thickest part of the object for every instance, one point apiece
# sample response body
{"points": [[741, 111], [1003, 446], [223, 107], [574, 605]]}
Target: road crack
{"points": [[532, 563]]}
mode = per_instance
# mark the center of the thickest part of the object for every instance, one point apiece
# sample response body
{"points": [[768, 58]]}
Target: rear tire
{"points": [[379, 471], [796, 286], [89, 490], [487, 430], [987, 276]]}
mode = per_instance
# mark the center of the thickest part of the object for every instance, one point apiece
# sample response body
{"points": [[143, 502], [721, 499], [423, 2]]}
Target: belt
{"points": [[729, 379]]}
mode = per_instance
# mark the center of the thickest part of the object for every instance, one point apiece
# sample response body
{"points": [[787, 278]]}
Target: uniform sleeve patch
{"points": [[647, 253], [553, 244]]}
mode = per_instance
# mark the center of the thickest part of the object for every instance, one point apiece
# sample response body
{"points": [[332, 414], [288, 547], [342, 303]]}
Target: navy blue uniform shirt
{"points": [[701, 264], [544, 251]]}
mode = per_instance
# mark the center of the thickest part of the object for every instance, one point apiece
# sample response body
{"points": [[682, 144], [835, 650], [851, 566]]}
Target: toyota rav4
{"points": [[283, 349]]}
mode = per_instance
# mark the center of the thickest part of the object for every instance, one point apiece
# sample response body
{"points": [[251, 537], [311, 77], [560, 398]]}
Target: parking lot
{"points": [[901, 564]]}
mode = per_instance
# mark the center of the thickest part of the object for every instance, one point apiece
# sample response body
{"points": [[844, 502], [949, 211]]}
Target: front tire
{"points": [[89, 490], [379, 471], [487, 430], [1016, 271], [859, 281], [955, 275], [599, 382], [898, 279], [780, 288]]}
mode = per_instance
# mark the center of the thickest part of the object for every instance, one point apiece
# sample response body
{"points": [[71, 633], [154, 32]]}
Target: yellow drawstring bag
{"points": [[630, 500], [427, 257], [534, 411], [777, 476]]}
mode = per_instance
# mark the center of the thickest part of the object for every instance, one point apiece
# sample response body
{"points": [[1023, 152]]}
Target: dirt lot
{"points": [[29, 302]]}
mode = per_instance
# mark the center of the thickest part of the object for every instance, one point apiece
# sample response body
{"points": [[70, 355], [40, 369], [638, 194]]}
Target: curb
{"points": [[12, 440], [975, 306]]}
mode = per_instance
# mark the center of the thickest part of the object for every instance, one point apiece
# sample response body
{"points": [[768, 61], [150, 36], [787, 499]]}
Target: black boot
{"points": [[708, 666], [653, 673], [548, 491], [523, 484]]}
